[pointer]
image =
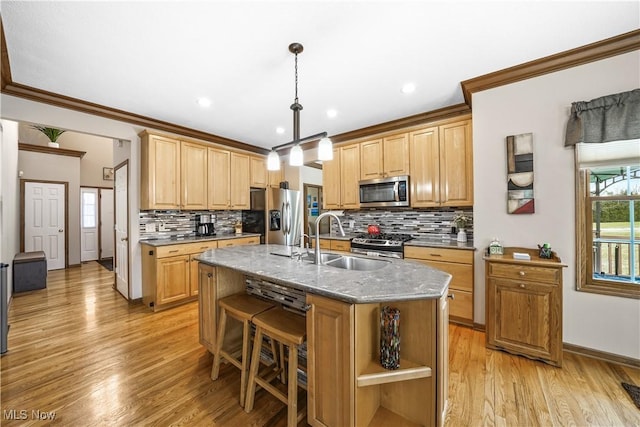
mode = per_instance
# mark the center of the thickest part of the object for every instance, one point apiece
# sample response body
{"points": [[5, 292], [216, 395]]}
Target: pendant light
{"points": [[296, 157]]}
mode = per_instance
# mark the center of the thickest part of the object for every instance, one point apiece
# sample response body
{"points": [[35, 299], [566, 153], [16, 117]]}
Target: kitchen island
{"points": [[346, 383]]}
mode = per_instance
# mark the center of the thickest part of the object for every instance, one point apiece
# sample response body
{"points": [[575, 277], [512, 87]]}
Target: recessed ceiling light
{"points": [[279, 130], [408, 88], [331, 113], [204, 102]]}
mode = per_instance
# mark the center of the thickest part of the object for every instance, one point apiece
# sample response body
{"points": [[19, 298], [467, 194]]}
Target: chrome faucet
{"points": [[333, 214]]}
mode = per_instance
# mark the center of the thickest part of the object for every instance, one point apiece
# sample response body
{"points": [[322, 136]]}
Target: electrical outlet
{"points": [[161, 227], [352, 224], [150, 227]]}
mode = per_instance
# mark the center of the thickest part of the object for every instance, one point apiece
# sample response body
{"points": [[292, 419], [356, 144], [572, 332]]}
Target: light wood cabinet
{"points": [[441, 166], [170, 273], [229, 179], [258, 177], [384, 157], [159, 172], [275, 177], [458, 263], [240, 187], [343, 364], [215, 284], [335, 245], [193, 173], [340, 178], [249, 240], [524, 305]]}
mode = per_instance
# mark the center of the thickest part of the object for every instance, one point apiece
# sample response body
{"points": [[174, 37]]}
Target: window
{"points": [[89, 209], [608, 227]]}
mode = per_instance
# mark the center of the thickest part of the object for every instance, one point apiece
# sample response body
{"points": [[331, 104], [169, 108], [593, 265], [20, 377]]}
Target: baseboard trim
{"points": [[601, 355]]}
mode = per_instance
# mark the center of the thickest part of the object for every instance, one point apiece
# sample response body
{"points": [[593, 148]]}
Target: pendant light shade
{"points": [[273, 161], [325, 149], [295, 156]]}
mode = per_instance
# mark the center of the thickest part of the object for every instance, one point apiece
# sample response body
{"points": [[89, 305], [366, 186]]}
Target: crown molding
{"points": [[603, 49]]}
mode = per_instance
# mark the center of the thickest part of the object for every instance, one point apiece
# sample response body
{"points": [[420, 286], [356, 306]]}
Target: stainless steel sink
{"points": [[327, 256], [356, 263]]}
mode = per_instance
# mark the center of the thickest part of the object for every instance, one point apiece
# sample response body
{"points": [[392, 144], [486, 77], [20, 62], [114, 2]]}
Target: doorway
{"points": [[96, 223], [121, 227], [313, 208], [44, 220], [106, 223]]}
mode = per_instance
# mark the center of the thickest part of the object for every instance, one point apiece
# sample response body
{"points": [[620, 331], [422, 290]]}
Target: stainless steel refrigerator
{"points": [[285, 217]]}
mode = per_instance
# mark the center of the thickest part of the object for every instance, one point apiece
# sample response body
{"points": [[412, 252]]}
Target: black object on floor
{"points": [[106, 263], [634, 393]]}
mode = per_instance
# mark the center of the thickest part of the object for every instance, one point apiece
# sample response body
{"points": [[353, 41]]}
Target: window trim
{"points": [[584, 242]]}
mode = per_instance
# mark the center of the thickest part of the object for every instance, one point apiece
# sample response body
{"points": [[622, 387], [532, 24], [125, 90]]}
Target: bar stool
{"points": [[243, 308], [288, 329]]}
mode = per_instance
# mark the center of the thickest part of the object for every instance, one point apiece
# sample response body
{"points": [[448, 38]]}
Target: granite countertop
{"points": [[400, 280], [192, 239]]}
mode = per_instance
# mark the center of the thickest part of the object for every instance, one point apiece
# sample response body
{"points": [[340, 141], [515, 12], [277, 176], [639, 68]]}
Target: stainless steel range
{"points": [[384, 245]]}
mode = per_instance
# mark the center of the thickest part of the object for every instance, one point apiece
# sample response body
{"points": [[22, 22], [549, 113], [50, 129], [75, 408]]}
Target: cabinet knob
{"points": [[522, 273], [451, 296], [522, 285], [209, 275]]}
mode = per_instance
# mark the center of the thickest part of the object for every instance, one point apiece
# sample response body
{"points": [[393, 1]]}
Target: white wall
{"points": [[9, 192], [23, 110], [98, 149], [541, 105]]}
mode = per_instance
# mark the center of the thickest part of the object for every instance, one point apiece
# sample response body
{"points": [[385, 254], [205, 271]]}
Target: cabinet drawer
{"points": [[324, 244], [340, 245], [227, 243], [462, 274], [461, 306], [171, 250], [524, 272], [439, 254], [199, 247]]}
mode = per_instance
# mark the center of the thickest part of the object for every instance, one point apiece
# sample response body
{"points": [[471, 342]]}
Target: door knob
{"points": [[60, 230]]}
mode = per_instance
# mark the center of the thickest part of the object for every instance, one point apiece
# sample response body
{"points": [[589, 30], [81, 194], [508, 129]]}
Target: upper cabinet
{"points": [[259, 176], [384, 157], [441, 171], [160, 172], [180, 174], [340, 178]]}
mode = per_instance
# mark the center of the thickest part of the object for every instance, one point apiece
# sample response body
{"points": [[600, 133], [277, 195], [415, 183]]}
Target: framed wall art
{"points": [[107, 174]]}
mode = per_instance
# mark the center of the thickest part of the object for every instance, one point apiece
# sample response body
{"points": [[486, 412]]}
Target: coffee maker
{"points": [[205, 225]]}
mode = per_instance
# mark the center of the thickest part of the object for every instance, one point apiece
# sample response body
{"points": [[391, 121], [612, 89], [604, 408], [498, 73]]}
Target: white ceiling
{"points": [[155, 58]]}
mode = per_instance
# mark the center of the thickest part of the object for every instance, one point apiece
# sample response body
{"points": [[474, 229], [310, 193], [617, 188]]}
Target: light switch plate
{"points": [[150, 227]]}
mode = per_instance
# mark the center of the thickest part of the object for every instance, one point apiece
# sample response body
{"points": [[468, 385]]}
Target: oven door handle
{"points": [[396, 191]]}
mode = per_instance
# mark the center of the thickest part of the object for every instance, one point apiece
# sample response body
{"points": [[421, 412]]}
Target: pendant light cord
{"points": [[296, 68]]}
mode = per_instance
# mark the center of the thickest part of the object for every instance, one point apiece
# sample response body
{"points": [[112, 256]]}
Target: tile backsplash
{"points": [[173, 224], [433, 222]]}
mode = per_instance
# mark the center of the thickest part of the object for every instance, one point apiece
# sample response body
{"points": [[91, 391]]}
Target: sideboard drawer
{"points": [[524, 272]]}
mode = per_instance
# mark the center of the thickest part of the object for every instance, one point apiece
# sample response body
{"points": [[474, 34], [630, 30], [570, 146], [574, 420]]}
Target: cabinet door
{"points": [[207, 306], [239, 181], [173, 279], [160, 173], [219, 162], [350, 174], [396, 155], [523, 317], [456, 164], [371, 160], [424, 168], [193, 176], [331, 181], [258, 172], [194, 288], [275, 177], [330, 361]]}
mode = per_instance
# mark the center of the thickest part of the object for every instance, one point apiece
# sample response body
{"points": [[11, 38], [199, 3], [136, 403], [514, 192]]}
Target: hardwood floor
{"points": [[79, 350]]}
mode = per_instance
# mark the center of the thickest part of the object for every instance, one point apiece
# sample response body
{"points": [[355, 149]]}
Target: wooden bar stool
{"points": [[243, 308], [288, 329]]}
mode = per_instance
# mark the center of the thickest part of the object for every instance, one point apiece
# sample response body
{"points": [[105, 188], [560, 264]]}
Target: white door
{"points": [[44, 221], [106, 223], [88, 224], [121, 266]]}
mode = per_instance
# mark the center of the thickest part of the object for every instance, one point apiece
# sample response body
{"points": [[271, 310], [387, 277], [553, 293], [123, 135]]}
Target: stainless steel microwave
{"points": [[385, 192]]}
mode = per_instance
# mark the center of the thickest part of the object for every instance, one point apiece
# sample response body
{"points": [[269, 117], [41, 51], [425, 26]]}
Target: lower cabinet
{"points": [[347, 386], [170, 273], [458, 263], [333, 245]]}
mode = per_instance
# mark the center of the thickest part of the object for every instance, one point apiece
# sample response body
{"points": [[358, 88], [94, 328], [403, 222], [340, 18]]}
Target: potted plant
{"points": [[52, 133], [461, 222]]}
